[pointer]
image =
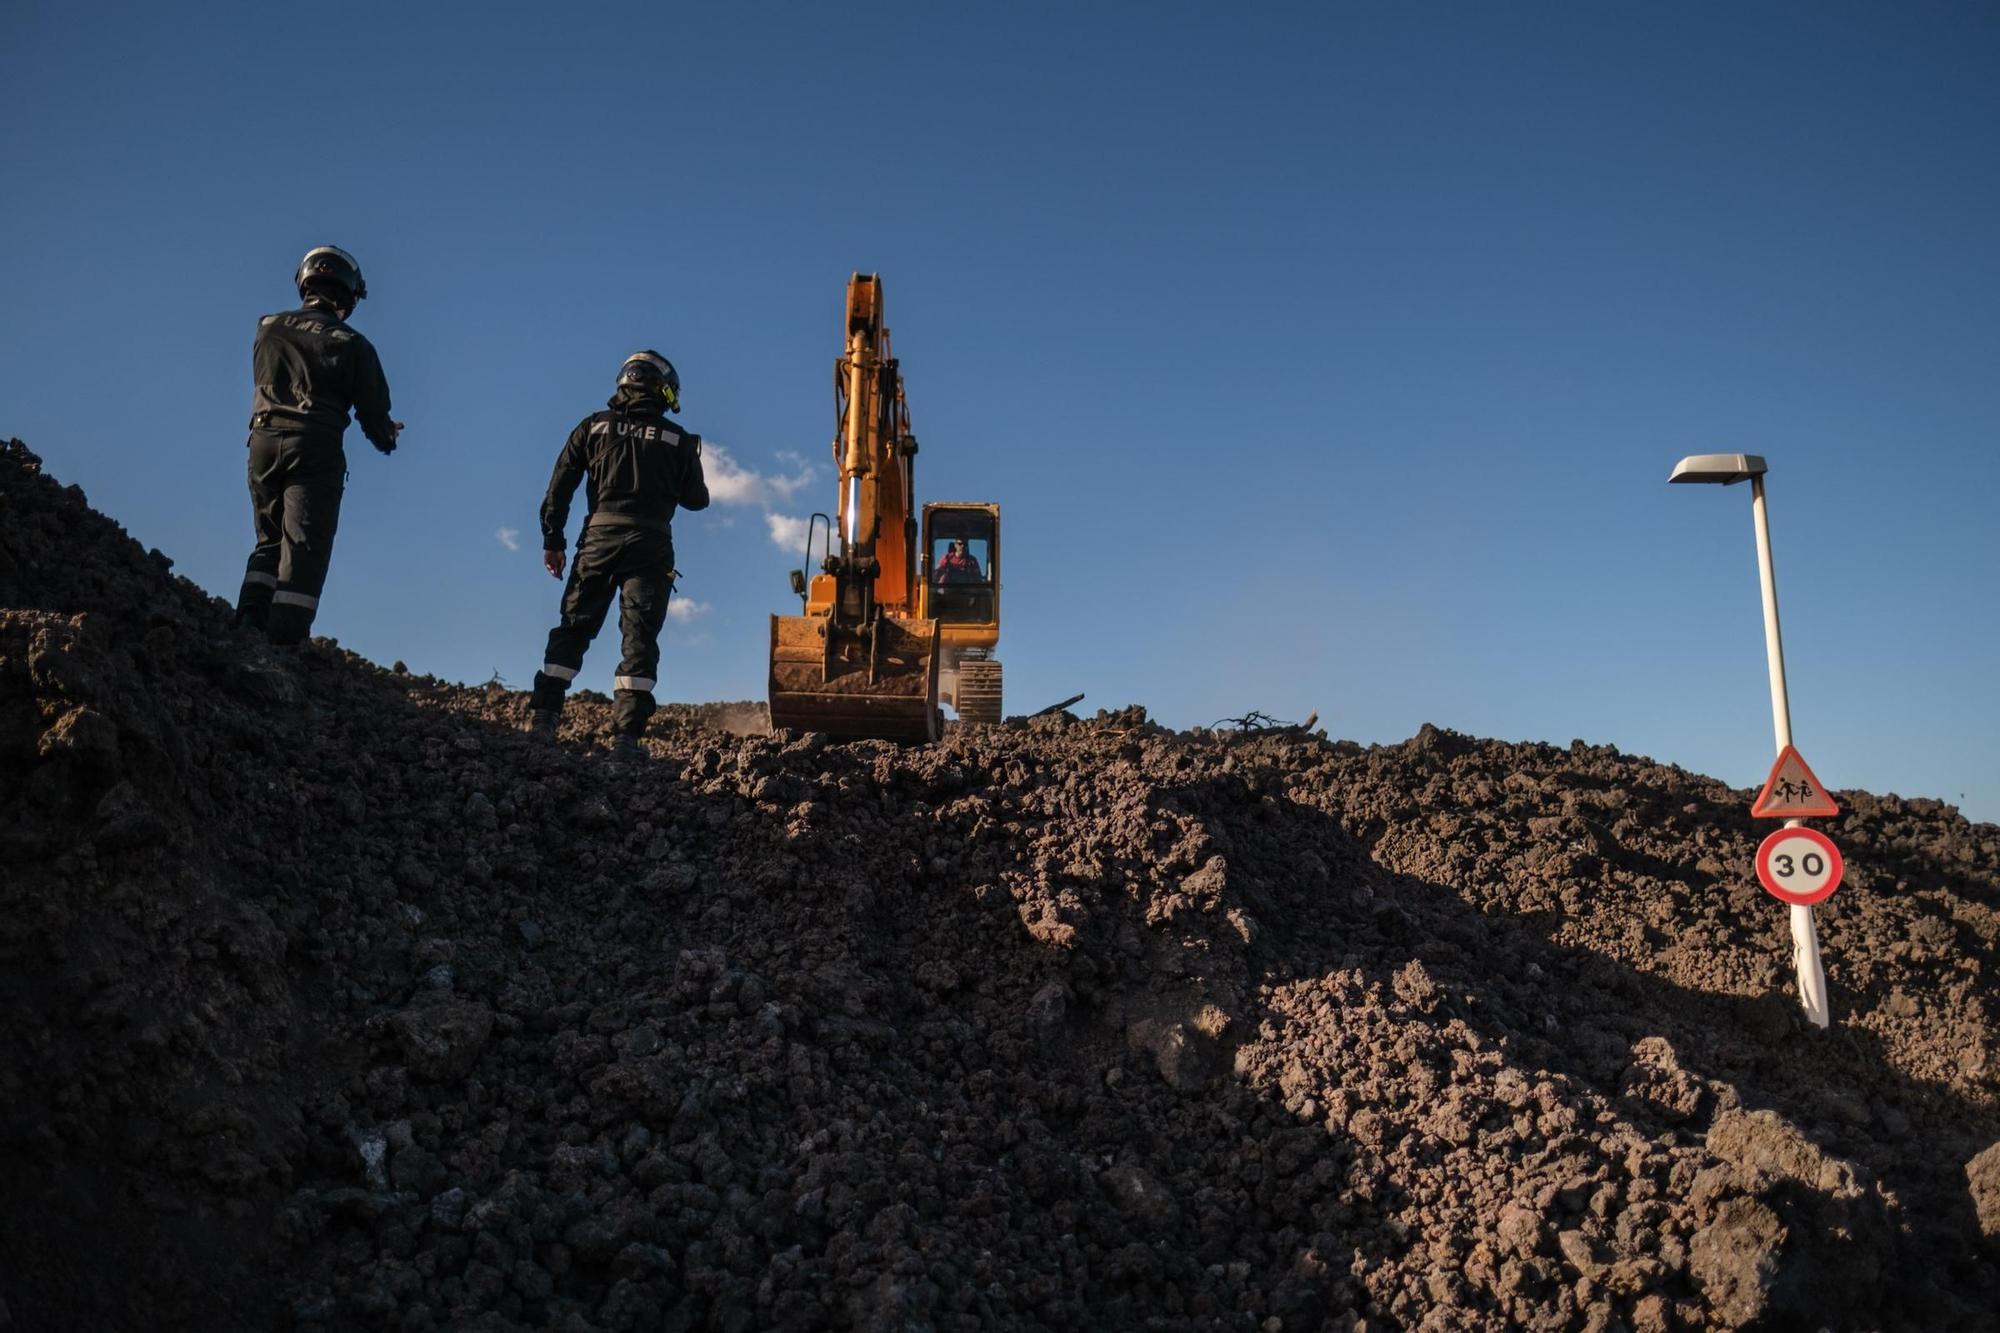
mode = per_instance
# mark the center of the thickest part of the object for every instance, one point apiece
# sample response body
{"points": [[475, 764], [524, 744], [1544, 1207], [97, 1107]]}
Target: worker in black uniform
{"points": [[311, 370], [640, 467]]}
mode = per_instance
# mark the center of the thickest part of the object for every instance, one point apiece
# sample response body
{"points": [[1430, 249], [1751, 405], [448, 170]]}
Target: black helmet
{"points": [[331, 266], [649, 370]]}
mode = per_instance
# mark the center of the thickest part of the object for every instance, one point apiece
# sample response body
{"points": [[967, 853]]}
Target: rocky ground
{"points": [[328, 1001]]}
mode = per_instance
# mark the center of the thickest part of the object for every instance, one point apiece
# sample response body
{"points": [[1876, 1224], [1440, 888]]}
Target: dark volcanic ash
{"points": [[328, 1001]]}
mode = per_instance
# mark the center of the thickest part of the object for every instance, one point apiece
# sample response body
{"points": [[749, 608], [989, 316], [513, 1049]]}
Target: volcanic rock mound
{"points": [[329, 1001]]}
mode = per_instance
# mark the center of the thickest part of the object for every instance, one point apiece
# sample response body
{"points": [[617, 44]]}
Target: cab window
{"points": [[961, 566]]}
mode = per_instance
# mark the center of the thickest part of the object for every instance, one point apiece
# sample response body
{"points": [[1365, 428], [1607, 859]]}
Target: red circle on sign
{"points": [[1800, 866]]}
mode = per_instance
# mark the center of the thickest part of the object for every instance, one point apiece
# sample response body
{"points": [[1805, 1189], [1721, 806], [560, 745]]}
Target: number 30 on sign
{"points": [[1801, 866]]}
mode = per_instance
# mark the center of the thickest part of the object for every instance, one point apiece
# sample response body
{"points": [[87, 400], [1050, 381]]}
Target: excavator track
{"points": [[842, 692], [978, 694]]}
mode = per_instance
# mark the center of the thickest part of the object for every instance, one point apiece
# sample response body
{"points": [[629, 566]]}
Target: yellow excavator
{"points": [[900, 617]]}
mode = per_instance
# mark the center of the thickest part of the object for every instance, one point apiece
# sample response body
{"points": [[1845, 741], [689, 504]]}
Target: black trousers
{"points": [[296, 483], [637, 564]]}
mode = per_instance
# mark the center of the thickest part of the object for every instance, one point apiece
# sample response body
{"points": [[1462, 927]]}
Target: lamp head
{"points": [[1721, 469]]}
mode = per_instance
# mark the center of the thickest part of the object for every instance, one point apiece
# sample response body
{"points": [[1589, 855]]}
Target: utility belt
{"points": [[628, 521], [270, 423]]}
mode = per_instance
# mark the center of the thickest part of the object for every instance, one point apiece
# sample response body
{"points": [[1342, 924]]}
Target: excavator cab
{"points": [[960, 565], [960, 569]]}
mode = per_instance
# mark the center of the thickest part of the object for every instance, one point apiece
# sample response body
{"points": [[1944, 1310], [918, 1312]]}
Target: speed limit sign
{"points": [[1801, 866]]}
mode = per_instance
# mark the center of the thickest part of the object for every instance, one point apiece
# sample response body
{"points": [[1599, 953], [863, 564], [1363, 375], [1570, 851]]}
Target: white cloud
{"points": [[686, 608], [730, 483], [509, 538], [787, 531]]}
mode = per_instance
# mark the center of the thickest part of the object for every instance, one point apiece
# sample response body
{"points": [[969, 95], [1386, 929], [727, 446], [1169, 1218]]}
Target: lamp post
{"points": [[1727, 470]]}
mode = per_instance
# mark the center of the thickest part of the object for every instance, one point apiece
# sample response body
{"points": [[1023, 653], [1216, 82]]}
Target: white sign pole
{"points": [[1805, 937]]}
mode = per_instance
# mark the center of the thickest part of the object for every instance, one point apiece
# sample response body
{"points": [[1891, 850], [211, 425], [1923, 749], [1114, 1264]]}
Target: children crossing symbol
{"points": [[1792, 792]]}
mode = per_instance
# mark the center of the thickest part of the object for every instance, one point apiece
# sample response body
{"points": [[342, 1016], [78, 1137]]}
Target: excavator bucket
{"points": [[853, 682]]}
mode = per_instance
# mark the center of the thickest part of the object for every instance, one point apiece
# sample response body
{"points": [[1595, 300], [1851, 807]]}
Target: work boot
{"points": [[627, 750], [542, 722]]}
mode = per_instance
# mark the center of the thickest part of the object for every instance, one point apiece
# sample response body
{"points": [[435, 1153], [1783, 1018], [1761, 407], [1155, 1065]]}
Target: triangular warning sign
{"points": [[1792, 792]]}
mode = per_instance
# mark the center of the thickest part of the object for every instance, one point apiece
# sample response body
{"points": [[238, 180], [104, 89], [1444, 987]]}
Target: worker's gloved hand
{"points": [[553, 562], [389, 446]]}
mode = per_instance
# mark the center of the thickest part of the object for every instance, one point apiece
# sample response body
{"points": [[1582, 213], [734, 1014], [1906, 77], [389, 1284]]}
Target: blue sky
{"points": [[1322, 357]]}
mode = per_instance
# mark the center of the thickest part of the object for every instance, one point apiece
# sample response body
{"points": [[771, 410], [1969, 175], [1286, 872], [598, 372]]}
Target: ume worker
{"points": [[640, 467], [311, 370]]}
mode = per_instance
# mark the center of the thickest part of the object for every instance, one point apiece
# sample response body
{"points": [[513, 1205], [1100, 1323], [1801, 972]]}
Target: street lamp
{"points": [[1727, 470]]}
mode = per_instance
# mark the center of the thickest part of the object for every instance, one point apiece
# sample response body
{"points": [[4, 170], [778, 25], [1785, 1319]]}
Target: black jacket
{"points": [[311, 369], [639, 464]]}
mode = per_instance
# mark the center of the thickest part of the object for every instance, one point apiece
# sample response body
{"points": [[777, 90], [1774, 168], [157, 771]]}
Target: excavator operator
{"points": [[641, 467], [957, 565]]}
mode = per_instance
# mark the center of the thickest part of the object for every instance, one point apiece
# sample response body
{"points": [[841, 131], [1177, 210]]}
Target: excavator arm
{"points": [[875, 454]]}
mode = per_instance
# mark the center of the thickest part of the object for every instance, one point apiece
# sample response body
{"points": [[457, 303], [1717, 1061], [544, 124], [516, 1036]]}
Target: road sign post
{"points": [[1727, 469], [1805, 934]]}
